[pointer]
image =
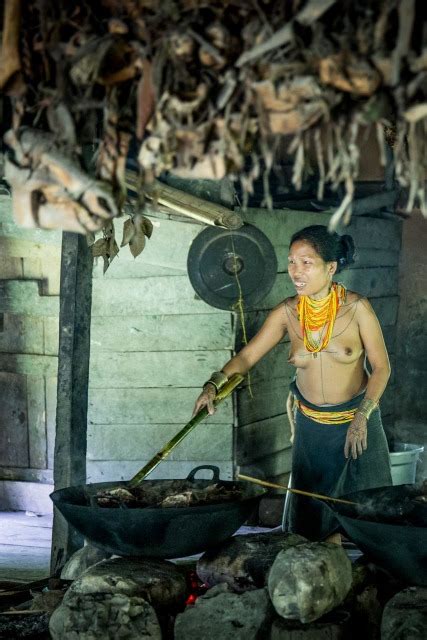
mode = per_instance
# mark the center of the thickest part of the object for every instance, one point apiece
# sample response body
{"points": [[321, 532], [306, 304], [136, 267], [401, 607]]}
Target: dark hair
{"points": [[330, 246]]}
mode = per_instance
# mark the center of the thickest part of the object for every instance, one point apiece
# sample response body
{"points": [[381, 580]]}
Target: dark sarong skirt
{"points": [[319, 466]]}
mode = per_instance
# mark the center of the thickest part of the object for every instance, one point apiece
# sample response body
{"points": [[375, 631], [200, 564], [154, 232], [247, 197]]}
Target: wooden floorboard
{"points": [[25, 542]]}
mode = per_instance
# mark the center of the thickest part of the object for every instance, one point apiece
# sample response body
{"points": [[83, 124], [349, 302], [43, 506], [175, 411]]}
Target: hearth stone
{"points": [[220, 613], [81, 560], [333, 626], [243, 562], [104, 616], [308, 580], [405, 615], [120, 597]]}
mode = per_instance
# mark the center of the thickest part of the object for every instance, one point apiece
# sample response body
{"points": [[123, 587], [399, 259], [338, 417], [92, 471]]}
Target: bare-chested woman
{"points": [[339, 444]]}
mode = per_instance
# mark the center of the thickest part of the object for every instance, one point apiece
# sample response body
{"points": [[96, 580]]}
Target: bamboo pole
{"points": [[187, 204], [273, 485], [226, 390]]}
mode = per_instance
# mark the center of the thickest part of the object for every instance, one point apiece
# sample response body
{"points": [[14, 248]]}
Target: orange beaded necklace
{"points": [[315, 314]]}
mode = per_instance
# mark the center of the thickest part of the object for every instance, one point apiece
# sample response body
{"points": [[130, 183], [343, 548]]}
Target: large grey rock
{"points": [[243, 562], [308, 580], [333, 626], [119, 598], [104, 616], [405, 615], [81, 560], [158, 581], [226, 615]]}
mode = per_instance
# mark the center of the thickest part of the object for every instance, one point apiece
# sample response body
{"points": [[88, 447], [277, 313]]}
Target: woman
{"points": [[339, 443]]}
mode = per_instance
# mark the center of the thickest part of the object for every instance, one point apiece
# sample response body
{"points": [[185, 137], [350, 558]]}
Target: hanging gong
{"points": [[223, 264]]}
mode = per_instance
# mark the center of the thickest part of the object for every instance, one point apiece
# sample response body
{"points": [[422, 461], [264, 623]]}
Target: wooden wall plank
{"points": [[51, 335], [168, 295], [209, 331], [386, 309], [269, 400], [120, 268], [13, 420], [10, 267], [22, 249], [259, 439], [375, 258], [36, 422], [25, 474], [273, 465], [23, 297], [29, 364], [22, 334], [207, 440], [144, 406], [110, 470], [154, 369]]}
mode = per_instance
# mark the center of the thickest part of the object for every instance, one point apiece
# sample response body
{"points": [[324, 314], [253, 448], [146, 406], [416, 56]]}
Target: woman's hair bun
{"points": [[348, 251]]}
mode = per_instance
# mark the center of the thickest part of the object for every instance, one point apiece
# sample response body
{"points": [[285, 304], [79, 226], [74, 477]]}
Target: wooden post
{"points": [[73, 376]]}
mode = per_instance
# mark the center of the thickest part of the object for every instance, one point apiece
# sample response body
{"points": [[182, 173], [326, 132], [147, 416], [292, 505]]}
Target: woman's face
{"points": [[311, 275]]}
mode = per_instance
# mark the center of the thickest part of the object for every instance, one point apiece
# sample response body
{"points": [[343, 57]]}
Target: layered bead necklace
{"points": [[314, 315]]}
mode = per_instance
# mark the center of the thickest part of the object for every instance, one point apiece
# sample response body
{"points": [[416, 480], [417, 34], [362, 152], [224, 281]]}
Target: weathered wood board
{"points": [[154, 368], [166, 405], [210, 331], [208, 440], [23, 297], [259, 439], [271, 465], [13, 420], [104, 471]]}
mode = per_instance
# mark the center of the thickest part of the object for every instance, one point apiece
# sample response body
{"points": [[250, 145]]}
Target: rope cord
{"points": [[239, 306]]}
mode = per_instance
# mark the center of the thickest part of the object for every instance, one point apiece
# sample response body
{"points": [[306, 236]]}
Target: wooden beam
{"points": [[73, 374]]}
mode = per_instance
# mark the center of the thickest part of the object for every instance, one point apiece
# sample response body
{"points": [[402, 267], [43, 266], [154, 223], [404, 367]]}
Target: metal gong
{"points": [[223, 264]]}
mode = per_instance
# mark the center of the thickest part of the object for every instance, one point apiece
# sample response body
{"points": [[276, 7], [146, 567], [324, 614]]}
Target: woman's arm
{"points": [[376, 352], [270, 334], [375, 349]]}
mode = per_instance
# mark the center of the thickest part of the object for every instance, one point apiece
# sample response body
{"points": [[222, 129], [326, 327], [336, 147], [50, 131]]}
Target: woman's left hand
{"points": [[356, 441]]}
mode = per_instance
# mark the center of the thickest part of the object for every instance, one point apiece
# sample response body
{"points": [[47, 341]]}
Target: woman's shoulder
{"points": [[361, 303], [352, 297]]}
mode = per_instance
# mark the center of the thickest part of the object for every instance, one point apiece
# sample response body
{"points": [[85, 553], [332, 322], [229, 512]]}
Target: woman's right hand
{"points": [[206, 399]]}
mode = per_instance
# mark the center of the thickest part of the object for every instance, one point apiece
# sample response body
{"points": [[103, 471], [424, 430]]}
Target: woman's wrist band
{"points": [[366, 407], [218, 379]]}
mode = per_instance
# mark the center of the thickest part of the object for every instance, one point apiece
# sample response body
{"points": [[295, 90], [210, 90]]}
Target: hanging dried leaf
{"points": [[210, 88], [147, 226], [128, 232], [137, 244], [100, 248], [113, 249]]}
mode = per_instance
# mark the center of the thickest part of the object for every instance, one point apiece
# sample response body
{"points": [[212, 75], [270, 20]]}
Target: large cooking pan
{"points": [[156, 532], [390, 526]]}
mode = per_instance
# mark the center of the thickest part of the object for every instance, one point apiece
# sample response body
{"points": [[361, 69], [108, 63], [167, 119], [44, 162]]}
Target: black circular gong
{"points": [[220, 260]]}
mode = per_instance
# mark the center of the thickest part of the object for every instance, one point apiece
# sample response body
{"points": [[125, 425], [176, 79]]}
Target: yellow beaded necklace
{"points": [[315, 314]]}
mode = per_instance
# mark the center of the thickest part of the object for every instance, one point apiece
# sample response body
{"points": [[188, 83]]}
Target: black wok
{"points": [[389, 526], [154, 531]]}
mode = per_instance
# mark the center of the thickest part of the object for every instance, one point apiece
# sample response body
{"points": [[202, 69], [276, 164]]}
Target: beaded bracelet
{"points": [[218, 379]]}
